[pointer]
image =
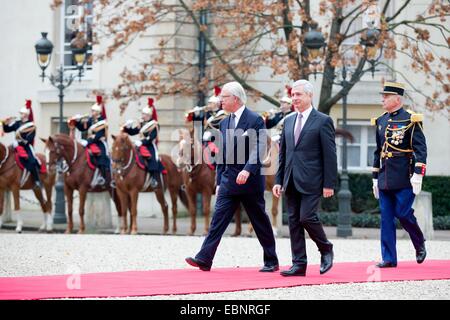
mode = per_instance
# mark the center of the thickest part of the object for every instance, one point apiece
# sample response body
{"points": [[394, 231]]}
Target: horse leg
{"points": [[192, 199], [48, 192], [2, 205], [238, 223], [206, 210], [165, 208], [115, 196], [83, 194], [16, 195], [38, 195], [275, 202], [174, 199], [69, 196], [123, 198], [134, 195]]}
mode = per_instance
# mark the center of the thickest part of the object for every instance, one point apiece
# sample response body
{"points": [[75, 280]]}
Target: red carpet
{"points": [[190, 280]]}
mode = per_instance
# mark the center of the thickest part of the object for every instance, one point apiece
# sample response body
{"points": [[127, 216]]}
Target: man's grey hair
{"points": [[236, 90], [307, 86]]}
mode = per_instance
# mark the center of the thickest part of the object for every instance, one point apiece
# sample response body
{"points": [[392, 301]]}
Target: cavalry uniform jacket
{"points": [[401, 149]]}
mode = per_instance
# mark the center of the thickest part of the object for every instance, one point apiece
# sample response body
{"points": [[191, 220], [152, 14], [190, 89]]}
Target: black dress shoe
{"points": [[269, 268], [386, 264], [326, 262], [197, 263], [421, 254], [294, 271]]}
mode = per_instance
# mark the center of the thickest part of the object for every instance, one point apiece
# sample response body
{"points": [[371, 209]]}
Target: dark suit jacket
{"points": [[312, 162], [250, 160]]}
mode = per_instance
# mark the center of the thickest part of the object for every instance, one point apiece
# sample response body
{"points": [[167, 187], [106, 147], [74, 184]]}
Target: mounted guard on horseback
{"points": [[96, 142], [147, 128], [25, 130]]}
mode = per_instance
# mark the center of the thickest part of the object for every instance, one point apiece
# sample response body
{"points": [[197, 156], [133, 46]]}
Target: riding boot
{"points": [[37, 181], [154, 180], [35, 174], [103, 172]]}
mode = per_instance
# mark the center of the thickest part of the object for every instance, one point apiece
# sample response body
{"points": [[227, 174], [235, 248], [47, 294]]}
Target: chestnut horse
{"points": [[78, 175], [131, 179], [10, 179], [197, 178]]}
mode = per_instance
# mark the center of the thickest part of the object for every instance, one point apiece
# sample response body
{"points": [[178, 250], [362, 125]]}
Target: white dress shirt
{"points": [[238, 114], [305, 114]]}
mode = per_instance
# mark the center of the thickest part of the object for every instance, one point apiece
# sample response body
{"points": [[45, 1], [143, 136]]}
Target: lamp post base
{"points": [[60, 204], [344, 228]]}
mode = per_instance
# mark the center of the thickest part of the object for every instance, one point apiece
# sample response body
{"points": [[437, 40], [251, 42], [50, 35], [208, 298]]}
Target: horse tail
{"points": [[183, 196]]}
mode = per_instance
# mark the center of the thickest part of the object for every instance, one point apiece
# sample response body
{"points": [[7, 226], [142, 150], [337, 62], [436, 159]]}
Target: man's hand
{"points": [[242, 177], [376, 192], [327, 193], [416, 182], [276, 190]]}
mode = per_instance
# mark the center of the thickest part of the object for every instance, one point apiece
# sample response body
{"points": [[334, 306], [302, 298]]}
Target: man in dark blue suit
{"points": [[307, 170], [239, 179]]}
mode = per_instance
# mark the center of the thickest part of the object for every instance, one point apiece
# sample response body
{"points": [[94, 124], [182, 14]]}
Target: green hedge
{"points": [[365, 220], [364, 202]]}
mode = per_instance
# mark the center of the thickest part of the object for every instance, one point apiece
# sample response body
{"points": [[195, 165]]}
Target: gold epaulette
{"points": [[415, 117], [373, 121]]}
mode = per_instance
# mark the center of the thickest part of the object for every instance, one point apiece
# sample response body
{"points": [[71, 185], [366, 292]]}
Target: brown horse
{"points": [[11, 179], [78, 175], [131, 179], [198, 177]]}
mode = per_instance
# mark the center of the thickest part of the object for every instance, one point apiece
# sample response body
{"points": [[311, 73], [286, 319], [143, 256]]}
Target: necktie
{"points": [[230, 140], [232, 122], [298, 127]]}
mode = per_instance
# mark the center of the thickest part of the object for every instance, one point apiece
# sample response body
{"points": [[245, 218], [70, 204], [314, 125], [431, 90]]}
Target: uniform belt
{"points": [[391, 154]]}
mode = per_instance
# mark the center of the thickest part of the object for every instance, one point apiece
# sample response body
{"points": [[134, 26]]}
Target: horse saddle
{"points": [[92, 151], [142, 156], [210, 150], [21, 157]]}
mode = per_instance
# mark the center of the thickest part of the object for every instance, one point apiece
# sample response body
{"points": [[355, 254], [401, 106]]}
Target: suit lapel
{"points": [[242, 124], [307, 125]]}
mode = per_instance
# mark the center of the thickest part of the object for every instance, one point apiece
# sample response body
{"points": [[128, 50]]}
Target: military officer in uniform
{"points": [[398, 168], [273, 117], [148, 130], [96, 127], [25, 134]]}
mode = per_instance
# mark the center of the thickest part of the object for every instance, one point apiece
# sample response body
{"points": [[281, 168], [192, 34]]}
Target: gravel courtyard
{"points": [[48, 254]]}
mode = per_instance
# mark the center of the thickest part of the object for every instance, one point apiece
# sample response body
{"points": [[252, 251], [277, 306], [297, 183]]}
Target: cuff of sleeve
{"points": [[375, 172], [420, 168]]}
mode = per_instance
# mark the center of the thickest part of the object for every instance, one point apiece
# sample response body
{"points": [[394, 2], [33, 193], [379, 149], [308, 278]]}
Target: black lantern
{"points": [[79, 47], [44, 48], [369, 40], [314, 41]]}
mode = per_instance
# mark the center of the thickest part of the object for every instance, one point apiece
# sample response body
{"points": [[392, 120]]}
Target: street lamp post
{"points": [[344, 228], [314, 42], [44, 49]]}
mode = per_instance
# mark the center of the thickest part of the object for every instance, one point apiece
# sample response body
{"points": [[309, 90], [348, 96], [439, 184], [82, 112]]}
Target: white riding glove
{"points": [[128, 123], [416, 182], [84, 142], [375, 190], [138, 143]]}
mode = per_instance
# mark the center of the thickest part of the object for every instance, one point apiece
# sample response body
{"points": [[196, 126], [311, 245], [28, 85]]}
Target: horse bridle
{"points": [[120, 170], [6, 157], [60, 164]]}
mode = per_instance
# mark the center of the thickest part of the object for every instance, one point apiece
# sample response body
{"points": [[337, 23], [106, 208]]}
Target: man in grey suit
{"points": [[307, 170]]}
